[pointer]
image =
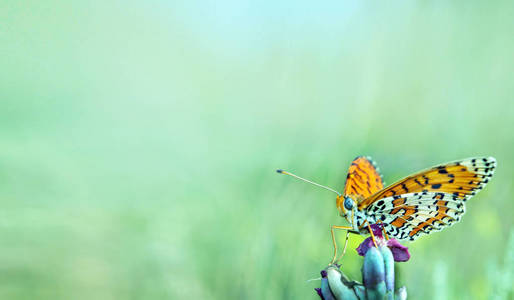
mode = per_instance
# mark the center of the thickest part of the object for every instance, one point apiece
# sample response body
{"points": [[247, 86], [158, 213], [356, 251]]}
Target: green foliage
{"points": [[138, 142]]}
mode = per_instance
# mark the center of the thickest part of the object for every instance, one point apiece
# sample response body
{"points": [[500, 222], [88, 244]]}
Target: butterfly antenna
{"points": [[317, 184]]}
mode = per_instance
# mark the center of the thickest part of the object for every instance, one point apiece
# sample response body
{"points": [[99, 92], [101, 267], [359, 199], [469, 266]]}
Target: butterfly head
{"points": [[347, 206], [348, 203]]}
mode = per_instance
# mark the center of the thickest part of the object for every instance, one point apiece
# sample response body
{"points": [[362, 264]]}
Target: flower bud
{"points": [[401, 293], [373, 274], [389, 270], [324, 291], [340, 290]]}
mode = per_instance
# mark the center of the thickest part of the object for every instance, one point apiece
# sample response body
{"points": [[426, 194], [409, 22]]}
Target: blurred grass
{"points": [[138, 141]]}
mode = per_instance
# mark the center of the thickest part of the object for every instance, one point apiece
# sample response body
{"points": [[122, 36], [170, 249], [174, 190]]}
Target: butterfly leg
{"points": [[344, 248], [370, 232], [334, 240], [385, 234], [383, 230]]}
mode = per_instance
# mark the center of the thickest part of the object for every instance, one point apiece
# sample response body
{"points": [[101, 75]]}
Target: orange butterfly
{"points": [[416, 205]]}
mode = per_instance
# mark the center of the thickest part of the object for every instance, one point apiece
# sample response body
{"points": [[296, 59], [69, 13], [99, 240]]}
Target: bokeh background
{"points": [[139, 139]]}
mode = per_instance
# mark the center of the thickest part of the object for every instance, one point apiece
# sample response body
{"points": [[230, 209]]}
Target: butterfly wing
{"points": [[429, 200], [363, 179], [412, 215], [461, 178]]}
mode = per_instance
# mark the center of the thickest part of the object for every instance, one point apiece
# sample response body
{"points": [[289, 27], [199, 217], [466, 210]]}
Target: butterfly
{"points": [[417, 205]]}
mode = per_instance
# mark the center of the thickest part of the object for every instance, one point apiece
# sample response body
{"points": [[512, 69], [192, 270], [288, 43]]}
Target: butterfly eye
{"points": [[348, 203]]}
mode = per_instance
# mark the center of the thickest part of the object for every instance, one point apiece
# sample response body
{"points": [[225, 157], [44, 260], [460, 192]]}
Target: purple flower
{"points": [[400, 252], [377, 229]]}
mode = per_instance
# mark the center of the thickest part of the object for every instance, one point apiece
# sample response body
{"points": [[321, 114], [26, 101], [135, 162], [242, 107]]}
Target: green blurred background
{"points": [[139, 139]]}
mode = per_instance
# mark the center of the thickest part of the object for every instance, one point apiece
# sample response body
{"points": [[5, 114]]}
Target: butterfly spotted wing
{"points": [[429, 200], [363, 179]]}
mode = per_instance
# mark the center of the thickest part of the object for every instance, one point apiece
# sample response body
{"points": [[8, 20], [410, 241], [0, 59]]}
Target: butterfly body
{"points": [[419, 204]]}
